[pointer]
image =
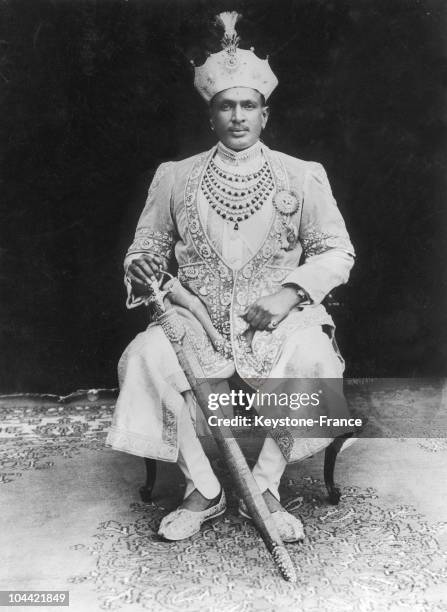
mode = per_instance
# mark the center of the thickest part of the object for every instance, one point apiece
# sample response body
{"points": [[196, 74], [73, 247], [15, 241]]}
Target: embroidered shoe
{"points": [[182, 523], [290, 527]]}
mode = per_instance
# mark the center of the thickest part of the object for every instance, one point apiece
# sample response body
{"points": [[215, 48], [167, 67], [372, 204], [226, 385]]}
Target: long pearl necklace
{"points": [[236, 197]]}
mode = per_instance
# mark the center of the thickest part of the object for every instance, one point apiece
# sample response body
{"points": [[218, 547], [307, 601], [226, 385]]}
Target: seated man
{"points": [[239, 220]]}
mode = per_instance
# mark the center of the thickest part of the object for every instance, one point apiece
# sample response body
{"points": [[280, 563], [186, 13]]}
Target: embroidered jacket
{"points": [[321, 258]]}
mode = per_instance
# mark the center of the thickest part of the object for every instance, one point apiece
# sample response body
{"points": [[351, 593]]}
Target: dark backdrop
{"points": [[95, 94]]}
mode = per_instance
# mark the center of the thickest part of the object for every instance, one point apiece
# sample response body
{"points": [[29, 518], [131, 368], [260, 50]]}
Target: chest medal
{"points": [[288, 204]]}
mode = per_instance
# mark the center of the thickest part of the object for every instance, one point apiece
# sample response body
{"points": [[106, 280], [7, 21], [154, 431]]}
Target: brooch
{"points": [[286, 202]]}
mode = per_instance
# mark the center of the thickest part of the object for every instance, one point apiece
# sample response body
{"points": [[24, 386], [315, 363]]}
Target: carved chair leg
{"points": [[151, 474], [330, 458]]}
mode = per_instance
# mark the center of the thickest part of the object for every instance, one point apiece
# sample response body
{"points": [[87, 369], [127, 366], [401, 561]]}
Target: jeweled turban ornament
{"points": [[233, 67]]}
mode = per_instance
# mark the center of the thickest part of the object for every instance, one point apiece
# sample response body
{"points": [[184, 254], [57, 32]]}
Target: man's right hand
{"points": [[142, 270]]}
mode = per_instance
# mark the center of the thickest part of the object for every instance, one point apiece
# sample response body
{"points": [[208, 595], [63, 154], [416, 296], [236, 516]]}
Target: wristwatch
{"points": [[300, 293]]}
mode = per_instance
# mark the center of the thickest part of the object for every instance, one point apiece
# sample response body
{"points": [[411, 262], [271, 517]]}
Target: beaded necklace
{"points": [[236, 197]]}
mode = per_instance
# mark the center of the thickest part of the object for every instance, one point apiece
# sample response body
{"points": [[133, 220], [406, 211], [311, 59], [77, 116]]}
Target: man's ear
{"points": [[265, 115]]}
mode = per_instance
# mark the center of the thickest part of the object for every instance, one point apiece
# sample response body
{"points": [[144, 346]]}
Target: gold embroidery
{"points": [[147, 240], [315, 242], [215, 281], [226, 294]]}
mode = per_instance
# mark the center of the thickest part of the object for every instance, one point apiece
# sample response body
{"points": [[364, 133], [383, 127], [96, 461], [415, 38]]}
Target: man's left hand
{"points": [[267, 312]]}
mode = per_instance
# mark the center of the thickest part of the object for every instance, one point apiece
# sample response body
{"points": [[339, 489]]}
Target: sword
{"points": [[166, 316]]}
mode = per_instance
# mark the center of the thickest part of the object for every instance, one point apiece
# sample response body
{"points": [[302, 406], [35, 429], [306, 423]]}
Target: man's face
{"points": [[238, 117]]}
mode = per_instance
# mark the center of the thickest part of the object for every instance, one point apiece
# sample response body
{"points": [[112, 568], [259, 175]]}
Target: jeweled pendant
{"points": [[236, 226], [291, 236]]}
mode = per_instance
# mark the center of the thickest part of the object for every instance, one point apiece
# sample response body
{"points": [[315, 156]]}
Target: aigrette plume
{"points": [[232, 66], [228, 20]]}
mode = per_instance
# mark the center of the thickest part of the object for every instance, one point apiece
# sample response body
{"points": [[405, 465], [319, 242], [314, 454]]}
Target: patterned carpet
{"points": [[73, 521]]}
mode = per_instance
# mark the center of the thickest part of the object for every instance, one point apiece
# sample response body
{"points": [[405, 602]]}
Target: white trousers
{"points": [[151, 407], [199, 474]]}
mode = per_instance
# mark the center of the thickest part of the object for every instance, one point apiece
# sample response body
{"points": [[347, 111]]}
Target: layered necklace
{"points": [[236, 197]]}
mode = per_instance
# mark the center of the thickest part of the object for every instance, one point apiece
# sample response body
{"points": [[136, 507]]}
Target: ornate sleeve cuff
{"points": [[150, 241]]}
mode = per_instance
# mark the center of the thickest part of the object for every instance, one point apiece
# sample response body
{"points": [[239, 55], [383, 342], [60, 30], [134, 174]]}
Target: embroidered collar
{"points": [[239, 158]]}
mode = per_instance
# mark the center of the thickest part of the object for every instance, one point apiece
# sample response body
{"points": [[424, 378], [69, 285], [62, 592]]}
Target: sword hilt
{"points": [[156, 295]]}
